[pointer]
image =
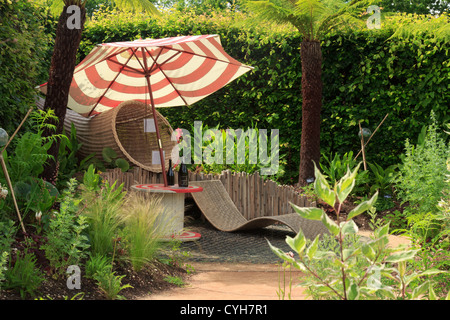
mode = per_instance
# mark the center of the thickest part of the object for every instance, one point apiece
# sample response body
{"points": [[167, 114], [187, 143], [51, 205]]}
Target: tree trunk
{"points": [[311, 56], [62, 66]]}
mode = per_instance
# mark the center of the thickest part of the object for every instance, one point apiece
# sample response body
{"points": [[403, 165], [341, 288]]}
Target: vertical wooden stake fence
{"points": [[252, 195]]}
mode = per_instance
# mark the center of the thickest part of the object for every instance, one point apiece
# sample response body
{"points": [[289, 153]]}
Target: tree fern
{"points": [[312, 18], [412, 26]]}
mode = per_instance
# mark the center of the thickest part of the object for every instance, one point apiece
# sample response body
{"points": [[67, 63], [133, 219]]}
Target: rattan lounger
{"points": [[220, 210]]}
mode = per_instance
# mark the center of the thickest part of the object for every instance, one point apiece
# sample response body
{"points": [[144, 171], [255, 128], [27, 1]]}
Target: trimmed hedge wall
{"points": [[366, 75]]}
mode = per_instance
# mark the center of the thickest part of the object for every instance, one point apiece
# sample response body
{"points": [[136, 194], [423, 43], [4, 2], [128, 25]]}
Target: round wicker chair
{"points": [[128, 129]]}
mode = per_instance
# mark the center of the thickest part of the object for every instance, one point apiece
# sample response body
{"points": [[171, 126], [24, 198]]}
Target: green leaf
{"points": [[122, 164], [353, 292], [347, 253], [420, 290], [363, 206], [330, 225], [309, 213], [368, 252], [382, 231], [402, 256], [312, 249], [298, 243], [322, 188], [109, 154], [281, 254], [431, 293], [346, 184], [428, 272], [349, 227]]}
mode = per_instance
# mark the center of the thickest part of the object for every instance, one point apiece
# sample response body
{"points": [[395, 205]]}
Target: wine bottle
{"points": [[183, 176], [170, 174]]}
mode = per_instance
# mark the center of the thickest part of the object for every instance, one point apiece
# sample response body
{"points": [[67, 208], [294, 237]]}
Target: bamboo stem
{"points": [[15, 132], [5, 171], [372, 135], [362, 146]]}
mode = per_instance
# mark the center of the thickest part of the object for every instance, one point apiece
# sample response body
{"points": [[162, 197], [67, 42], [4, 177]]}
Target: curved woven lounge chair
{"points": [[220, 210]]}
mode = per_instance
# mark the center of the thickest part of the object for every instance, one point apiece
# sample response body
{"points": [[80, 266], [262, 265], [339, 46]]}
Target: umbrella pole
{"points": [[155, 117]]}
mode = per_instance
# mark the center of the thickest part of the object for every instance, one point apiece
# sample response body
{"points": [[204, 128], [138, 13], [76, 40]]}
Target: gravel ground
{"points": [[237, 247]]}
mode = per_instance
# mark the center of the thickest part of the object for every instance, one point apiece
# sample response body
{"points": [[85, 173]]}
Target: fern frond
{"points": [[313, 18], [137, 6], [278, 11], [411, 26]]}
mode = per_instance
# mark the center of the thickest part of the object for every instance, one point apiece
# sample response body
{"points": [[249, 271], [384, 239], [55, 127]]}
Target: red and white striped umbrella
{"points": [[167, 72], [171, 72]]}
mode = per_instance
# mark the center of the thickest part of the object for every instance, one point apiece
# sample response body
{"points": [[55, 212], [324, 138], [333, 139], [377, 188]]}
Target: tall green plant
{"points": [[358, 271], [101, 206], [143, 227], [66, 243], [421, 179]]}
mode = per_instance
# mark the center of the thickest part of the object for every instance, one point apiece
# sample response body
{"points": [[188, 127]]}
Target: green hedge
{"points": [[25, 39], [366, 74]]}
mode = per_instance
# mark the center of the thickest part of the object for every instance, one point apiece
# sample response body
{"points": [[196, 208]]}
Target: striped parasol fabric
{"points": [[166, 72]]}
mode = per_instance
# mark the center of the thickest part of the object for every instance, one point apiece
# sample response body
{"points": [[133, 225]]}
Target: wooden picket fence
{"points": [[252, 195]]}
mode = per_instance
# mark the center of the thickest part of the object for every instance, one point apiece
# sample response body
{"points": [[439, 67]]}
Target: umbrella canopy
{"points": [[172, 72], [167, 72]]}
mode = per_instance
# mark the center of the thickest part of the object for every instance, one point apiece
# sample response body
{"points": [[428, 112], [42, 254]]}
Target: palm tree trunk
{"points": [[62, 66], [311, 57]]}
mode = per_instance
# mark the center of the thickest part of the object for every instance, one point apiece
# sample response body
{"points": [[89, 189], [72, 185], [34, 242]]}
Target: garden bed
{"points": [[147, 281]]}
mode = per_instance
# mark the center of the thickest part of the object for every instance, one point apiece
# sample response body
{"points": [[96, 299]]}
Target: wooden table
{"points": [[173, 201]]}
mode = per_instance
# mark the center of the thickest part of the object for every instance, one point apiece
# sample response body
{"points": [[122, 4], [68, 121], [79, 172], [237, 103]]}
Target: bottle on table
{"points": [[170, 174], [183, 176]]}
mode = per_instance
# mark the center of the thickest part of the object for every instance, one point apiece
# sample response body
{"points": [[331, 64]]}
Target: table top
{"points": [[160, 188]]}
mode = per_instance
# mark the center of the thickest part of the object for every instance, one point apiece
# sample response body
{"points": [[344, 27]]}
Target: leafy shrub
{"points": [[23, 275], [25, 57], [66, 244], [97, 264], [3, 262], [26, 163], [7, 233], [422, 173], [421, 181], [110, 284], [358, 269]]}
